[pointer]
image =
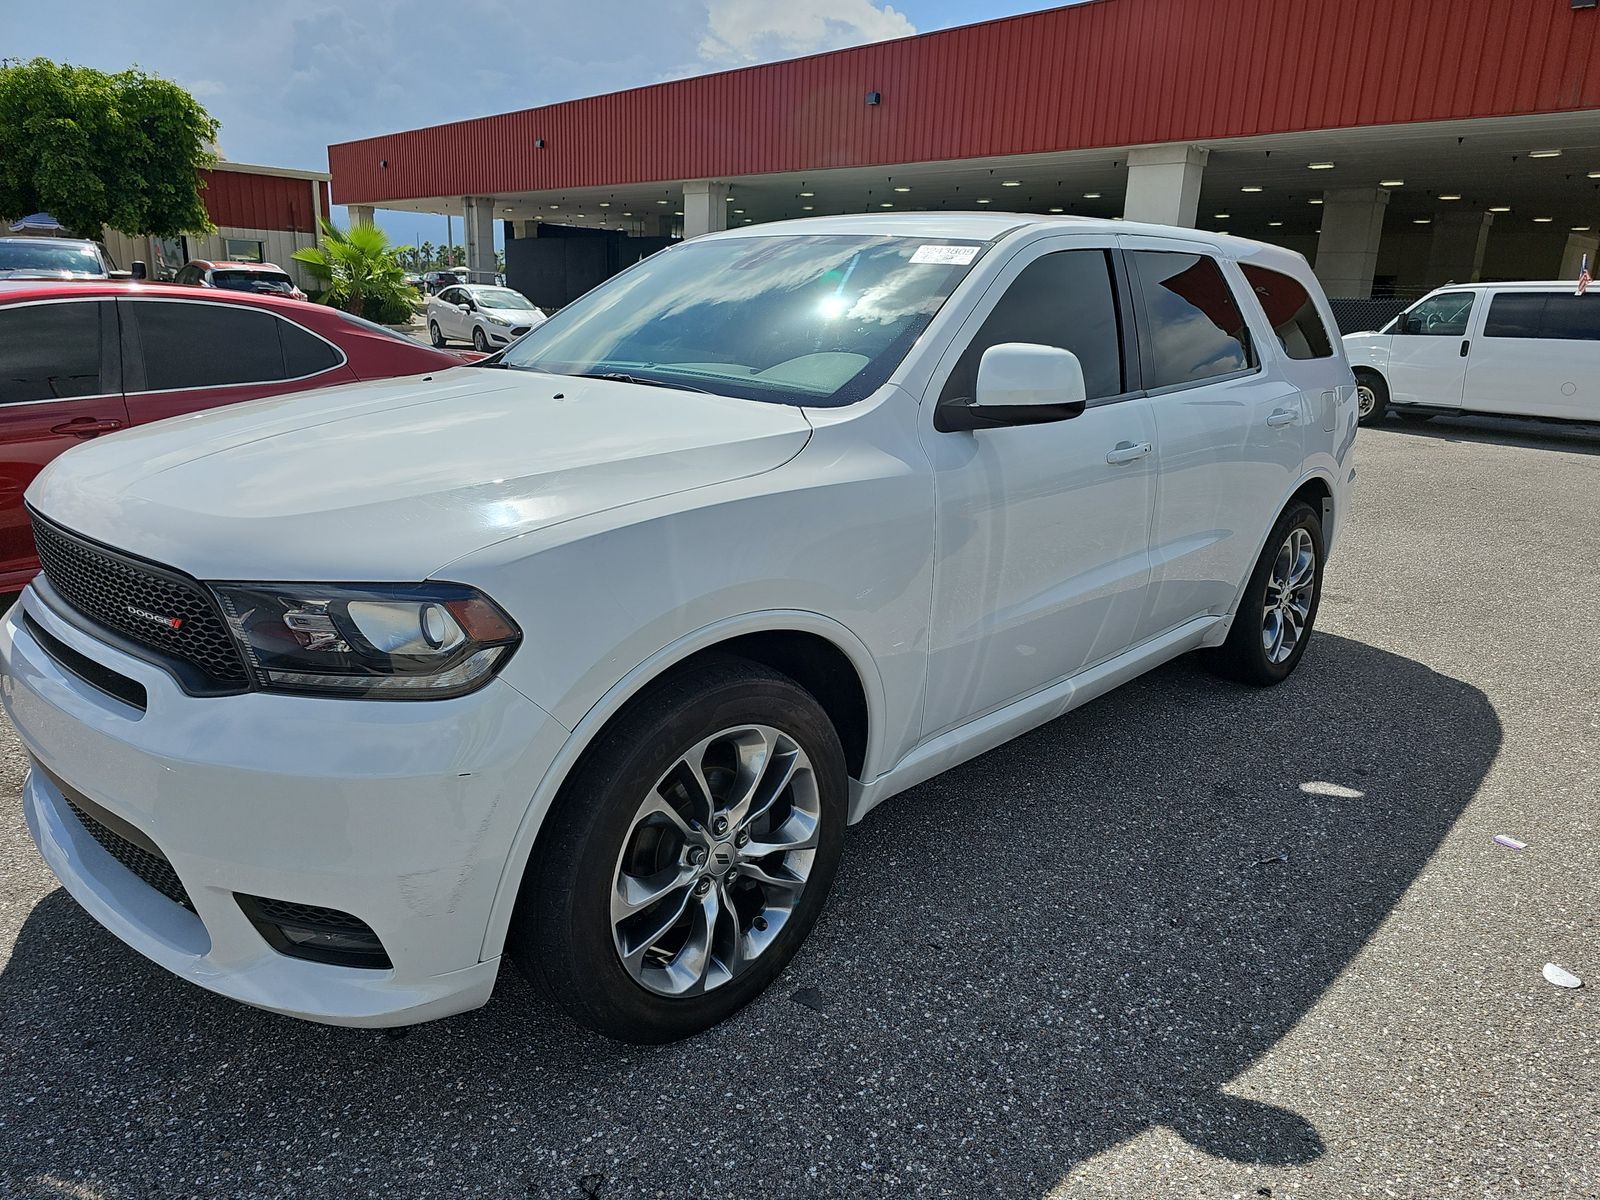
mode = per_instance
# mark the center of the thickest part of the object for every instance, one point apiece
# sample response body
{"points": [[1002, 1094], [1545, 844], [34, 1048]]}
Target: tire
{"points": [[1253, 654], [435, 336], [479, 342], [598, 834], [1372, 397]]}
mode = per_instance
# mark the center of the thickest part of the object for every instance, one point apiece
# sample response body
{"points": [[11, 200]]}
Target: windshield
{"points": [[814, 319], [42, 255], [501, 298], [253, 281]]}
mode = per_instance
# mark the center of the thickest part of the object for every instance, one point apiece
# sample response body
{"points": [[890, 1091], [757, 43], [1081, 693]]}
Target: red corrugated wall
{"points": [[243, 200], [1104, 73]]}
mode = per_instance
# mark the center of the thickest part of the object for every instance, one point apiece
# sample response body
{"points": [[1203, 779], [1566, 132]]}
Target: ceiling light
{"points": [[729, 199], [1580, 229], [583, 216], [605, 204], [738, 212], [1594, 174], [902, 189], [505, 210], [1057, 210], [1501, 208], [555, 206], [807, 207], [1011, 183], [1544, 154], [1541, 220], [677, 212], [1322, 166], [627, 214], [1222, 216], [885, 204], [1250, 187], [983, 200], [1091, 195], [1391, 183], [1313, 201], [1274, 224], [747, 220], [1422, 220], [808, 193], [1449, 195]]}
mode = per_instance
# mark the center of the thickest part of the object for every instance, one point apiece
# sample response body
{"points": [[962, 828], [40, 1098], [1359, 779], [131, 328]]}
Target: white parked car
{"points": [[488, 317], [1515, 349], [616, 635]]}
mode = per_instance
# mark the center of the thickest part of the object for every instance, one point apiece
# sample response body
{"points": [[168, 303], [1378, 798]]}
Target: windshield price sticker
{"points": [[947, 256]]}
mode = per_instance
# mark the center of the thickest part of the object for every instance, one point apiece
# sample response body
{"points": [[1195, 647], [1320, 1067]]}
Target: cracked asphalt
{"points": [[1192, 940]]}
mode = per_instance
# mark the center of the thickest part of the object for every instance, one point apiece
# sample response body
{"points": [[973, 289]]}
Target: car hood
{"points": [[390, 480]]}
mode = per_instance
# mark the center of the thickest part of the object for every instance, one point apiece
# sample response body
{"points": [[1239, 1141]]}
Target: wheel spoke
{"points": [[689, 969], [656, 806], [756, 747], [687, 777], [651, 931], [634, 894], [782, 879], [779, 776], [799, 832]]}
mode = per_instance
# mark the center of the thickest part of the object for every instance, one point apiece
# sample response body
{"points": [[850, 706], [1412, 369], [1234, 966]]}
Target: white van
{"points": [[1514, 349]]}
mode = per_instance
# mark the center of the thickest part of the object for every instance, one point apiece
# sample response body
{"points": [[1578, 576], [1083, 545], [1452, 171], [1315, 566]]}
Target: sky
{"points": [[287, 77]]}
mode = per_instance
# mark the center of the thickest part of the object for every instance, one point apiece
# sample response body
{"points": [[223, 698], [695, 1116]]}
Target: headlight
{"points": [[400, 642]]}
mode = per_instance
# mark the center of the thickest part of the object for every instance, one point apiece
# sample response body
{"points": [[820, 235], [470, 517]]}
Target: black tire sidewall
{"points": [[434, 335], [1380, 396], [479, 341], [564, 940], [1247, 656]]}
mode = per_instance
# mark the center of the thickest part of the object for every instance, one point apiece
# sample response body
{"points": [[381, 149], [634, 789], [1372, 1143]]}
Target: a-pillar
{"points": [[1347, 249], [478, 225], [360, 214], [1460, 240], [705, 207], [1164, 185]]}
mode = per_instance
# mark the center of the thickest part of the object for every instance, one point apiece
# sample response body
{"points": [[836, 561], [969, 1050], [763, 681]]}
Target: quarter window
{"points": [[49, 352], [1291, 312], [1066, 300], [1571, 317], [1439, 316], [304, 353], [1194, 327]]}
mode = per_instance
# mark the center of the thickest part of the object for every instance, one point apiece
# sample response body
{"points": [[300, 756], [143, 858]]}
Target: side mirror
{"points": [[1019, 384], [138, 270]]}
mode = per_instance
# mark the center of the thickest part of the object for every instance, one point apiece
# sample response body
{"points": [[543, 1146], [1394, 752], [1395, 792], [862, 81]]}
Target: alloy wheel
{"points": [[1366, 400], [715, 861], [1287, 607]]}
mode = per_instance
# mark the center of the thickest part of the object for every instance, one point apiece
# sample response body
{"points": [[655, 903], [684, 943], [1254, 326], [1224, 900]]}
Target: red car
{"points": [[81, 359]]}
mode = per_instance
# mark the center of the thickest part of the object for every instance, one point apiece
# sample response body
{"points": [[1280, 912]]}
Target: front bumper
{"points": [[400, 813]]}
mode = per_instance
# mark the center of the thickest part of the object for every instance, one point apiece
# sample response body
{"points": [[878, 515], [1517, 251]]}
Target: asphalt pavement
{"points": [[1191, 940]]}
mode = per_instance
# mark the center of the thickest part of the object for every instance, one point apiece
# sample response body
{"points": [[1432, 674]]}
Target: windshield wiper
{"points": [[623, 377]]}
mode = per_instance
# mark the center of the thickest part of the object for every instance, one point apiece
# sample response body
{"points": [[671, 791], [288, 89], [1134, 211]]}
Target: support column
{"points": [[1164, 184], [1459, 242], [1347, 249], [659, 224], [1579, 244], [360, 214], [705, 208], [478, 228], [524, 229]]}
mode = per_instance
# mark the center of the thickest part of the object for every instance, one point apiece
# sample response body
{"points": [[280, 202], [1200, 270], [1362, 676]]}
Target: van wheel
{"points": [[435, 336], [1279, 607], [1372, 397], [687, 856]]}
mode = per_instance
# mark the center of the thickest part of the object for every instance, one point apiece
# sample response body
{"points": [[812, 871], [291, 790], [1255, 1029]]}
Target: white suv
{"points": [[589, 653]]}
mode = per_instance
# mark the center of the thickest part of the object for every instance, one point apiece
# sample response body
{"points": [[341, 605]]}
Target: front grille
{"points": [[148, 865], [149, 605]]}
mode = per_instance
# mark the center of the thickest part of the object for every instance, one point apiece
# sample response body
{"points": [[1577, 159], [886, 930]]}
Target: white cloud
{"points": [[748, 31]]}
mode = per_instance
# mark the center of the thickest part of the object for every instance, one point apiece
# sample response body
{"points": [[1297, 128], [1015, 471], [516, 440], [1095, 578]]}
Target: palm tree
{"points": [[360, 269], [427, 257]]}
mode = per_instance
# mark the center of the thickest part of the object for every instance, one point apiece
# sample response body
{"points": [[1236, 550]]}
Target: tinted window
{"points": [[1291, 313], [253, 281], [1439, 316], [206, 345], [1064, 299], [304, 353], [1515, 314], [1573, 317], [49, 352], [1193, 323]]}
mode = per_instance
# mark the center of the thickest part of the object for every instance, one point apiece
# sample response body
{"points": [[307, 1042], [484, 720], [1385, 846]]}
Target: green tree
{"points": [[361, 272], [94, 149], [428, 255]]}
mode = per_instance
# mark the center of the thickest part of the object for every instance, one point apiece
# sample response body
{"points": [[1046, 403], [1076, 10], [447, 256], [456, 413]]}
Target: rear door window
{"points": [[193, 345], [1064, 299], [1572, 318], [1194, 329], [1290, 311], [1515, 315], [52, 352]]}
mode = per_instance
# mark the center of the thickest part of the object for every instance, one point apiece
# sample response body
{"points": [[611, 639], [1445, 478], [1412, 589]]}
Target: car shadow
{"points": [[1579, 438], [1084, 935]]}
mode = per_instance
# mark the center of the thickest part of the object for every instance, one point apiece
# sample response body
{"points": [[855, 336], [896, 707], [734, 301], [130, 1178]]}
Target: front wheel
{"points": [[1279, 607], [1372, 397], [435, 336], [479, 342], [688, 855]]}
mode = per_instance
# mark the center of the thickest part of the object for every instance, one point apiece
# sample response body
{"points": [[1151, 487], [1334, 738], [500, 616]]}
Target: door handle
{"points": [[87, 426], [1280, 416], [1127, 452], [1466, 344]]}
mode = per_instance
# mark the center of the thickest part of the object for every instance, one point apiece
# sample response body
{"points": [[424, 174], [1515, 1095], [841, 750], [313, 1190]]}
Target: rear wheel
{"points": [[434, 336], [1279, 607], [479, 342], [688, 855], [1372, 397]]}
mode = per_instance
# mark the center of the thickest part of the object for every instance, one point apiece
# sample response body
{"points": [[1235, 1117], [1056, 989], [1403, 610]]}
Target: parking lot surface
{"points": [[1192, 939]]}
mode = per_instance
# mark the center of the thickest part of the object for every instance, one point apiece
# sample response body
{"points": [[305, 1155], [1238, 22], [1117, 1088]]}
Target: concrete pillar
{"points": [[478, 228], [525, 229], [1164, 185], [660, 224], [1460, 240], [1347, 250], [705, 208], [1579, 244], [360, 214]]}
